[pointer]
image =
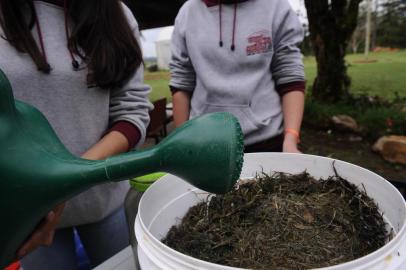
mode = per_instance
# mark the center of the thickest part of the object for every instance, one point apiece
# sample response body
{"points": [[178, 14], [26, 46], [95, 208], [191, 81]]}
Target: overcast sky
{"points": [[149, 36]]}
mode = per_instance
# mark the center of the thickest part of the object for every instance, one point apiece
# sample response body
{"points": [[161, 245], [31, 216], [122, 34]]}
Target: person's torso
{"points": [[240, 80]]}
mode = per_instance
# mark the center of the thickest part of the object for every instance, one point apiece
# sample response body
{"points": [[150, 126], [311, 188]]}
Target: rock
{"points": [[392, 148], [345, 122]]}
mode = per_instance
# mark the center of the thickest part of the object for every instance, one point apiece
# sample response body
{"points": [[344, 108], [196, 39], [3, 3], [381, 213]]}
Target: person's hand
{"points": [[290, 144], [44, 233]]}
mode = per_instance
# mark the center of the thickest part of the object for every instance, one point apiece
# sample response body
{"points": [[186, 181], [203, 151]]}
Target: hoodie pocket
{"points": [[243, 113]]}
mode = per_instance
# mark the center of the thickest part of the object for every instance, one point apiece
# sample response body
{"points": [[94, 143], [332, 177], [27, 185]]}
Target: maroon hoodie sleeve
{"points": [[283, 89], [129, 130]]}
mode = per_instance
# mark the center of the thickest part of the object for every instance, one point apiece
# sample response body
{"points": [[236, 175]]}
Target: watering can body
{"points": [[37, 172]]}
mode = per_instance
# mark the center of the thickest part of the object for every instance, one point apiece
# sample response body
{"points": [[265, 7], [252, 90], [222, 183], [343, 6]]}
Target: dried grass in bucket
{"points": [[283, 221]]}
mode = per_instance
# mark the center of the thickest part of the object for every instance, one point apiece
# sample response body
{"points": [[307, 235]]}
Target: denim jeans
{"points": [[101, 241]]}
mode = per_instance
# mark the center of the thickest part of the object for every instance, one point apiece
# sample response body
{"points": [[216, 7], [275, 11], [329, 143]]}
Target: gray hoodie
{"points": [[79, 115], [242, 81]]}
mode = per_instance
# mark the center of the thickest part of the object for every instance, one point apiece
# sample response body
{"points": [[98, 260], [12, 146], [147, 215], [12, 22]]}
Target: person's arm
{"points": [[181, 106], [130, 105], [288, 71], [183, 77], [293, 106], [111, 144], [43, 234]]}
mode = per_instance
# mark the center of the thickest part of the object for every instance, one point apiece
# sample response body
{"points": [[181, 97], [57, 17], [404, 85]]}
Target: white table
{"points": [[124, 260]]}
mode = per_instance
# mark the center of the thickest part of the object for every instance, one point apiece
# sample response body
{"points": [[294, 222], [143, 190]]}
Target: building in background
{"points": [[163, 47]]}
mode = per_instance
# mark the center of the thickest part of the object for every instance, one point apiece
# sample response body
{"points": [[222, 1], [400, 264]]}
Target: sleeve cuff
{"points": [[175, 89], [129, 130], [283, 89]]}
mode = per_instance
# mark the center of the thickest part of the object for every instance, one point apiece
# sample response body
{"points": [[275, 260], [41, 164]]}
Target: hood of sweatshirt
{"points": [[211, 3]]}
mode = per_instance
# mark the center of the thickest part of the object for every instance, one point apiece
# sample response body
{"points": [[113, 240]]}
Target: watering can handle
{"points": [[7, 105]]}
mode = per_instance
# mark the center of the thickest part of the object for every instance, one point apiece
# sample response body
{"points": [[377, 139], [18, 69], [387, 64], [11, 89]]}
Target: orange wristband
{"points": [[293, 132]]}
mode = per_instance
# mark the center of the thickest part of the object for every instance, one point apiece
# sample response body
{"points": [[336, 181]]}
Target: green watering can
{"points": [[37, 172]]}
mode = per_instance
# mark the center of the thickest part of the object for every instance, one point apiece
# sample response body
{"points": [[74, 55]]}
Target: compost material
{"points": [[283, 221]]}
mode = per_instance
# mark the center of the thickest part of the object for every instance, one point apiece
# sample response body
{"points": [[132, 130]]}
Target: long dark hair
{"points": [[101, 36]]}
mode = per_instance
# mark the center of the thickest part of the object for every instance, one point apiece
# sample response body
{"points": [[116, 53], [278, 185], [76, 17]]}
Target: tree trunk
{"points": [[331, 24]]}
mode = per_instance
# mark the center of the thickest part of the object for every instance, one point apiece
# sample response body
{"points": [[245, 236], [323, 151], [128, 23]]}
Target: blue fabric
{"points": [[101, 241], [82, 258]]}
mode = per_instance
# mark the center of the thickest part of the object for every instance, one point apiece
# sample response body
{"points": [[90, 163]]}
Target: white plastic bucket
{"points": [[167, 201]]}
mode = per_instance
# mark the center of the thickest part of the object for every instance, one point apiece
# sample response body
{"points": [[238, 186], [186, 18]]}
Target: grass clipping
{"points": [[282, 221]]}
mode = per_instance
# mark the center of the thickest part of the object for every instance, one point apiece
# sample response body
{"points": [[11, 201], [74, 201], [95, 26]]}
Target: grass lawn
{"points": [[159, 82], [383, 78]]}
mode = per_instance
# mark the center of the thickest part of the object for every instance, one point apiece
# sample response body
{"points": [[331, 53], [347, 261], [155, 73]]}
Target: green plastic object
{"points": [[37, 172], [142, 183]]}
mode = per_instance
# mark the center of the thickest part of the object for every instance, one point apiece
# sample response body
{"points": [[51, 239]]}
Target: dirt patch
{"points": [[353, 149], [365, 61], [282, 222], [350, 148]]}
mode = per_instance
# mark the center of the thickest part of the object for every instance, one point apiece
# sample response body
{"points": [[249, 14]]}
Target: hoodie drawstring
{"points": [[75, 63], [39, 32], [221, 24], [234, 25]]}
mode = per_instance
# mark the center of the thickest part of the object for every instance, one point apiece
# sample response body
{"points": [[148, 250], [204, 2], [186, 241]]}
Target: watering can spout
{"points": [[37, 172], [195, 153]]}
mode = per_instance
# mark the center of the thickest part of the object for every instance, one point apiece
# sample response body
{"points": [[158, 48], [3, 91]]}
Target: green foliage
{"points": [[377, 122], [306, 46], [319, 114], [375, 116], [392, 24]]}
